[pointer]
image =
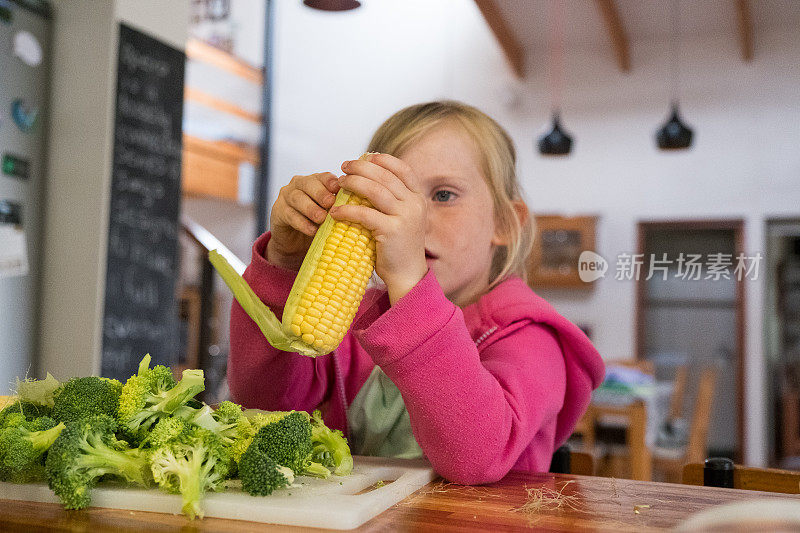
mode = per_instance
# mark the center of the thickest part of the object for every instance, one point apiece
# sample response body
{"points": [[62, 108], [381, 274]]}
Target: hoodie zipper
{"points": [[485, 335]]}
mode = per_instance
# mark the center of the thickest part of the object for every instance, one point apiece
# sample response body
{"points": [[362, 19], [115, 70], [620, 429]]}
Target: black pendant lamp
{"points": [[332, 5], [674, 134], [556, 141]]}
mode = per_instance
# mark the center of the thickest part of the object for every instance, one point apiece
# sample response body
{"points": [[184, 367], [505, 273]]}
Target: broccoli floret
{"points": [[223, 421], [38, 391], [166, 430], [190, 464], [152, 394], [260, 474], [84, 397], [330, 447], [288, 442], [41, 424], [23, 447], [12, 420], [85, 451], [248, 426], [27, 410]]}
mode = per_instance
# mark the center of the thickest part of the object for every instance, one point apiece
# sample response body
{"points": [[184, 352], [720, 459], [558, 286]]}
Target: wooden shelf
{"points": [[211, 168], [203, 98], [199, 51]]}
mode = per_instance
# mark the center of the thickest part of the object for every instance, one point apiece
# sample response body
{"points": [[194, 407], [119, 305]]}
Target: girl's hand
{"points": [[397, 219], [298, 212]]}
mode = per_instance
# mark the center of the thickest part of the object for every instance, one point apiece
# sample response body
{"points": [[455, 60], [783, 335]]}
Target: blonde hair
{"points": [[498, 165]]}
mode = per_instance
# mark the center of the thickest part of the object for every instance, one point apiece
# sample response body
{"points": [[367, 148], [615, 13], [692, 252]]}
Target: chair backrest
{"points": [[701, 416], [678, 391], [749, 478], [581, 464]]}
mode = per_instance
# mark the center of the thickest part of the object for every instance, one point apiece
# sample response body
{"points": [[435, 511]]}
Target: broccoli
{"points": [[288, 442], [248, 426], [84, 397], [22, 449], [193, 462], [38, 391], [330, 447], [260, 474], [223, 421], [13, 419], [165, 430], [86, 450], [28, 410], [152, 394]]}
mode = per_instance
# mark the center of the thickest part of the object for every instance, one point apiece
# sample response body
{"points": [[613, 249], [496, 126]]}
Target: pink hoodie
{"points": [[496, 386]]}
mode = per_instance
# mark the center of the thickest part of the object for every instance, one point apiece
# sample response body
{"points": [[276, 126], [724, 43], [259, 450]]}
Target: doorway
{"points": [[690, 311]]}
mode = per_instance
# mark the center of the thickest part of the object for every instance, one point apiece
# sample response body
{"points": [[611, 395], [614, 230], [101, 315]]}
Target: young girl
{"points": [[457, 359]]}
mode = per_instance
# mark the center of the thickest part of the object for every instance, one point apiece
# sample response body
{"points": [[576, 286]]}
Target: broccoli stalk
{"points": [[192, 463], [330, 447], [152, 394], [223, 422], [85, 451]]}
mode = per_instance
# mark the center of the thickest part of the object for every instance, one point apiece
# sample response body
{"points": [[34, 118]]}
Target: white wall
{"points": [[79, 170], [337, 76]]}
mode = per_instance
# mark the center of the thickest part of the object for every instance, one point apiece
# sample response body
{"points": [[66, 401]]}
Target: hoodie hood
{"points": [[512, 305]]}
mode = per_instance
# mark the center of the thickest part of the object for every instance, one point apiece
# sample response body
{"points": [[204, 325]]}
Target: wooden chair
{"points": [[678, 391], [633, 459], [749, 478], [671, 461]]}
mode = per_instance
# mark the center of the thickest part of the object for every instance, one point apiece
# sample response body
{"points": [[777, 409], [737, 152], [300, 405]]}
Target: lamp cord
{"points": [[676, 72], [556, 53]]}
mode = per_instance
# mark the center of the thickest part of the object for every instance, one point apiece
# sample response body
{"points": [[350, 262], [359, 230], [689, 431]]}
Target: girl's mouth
{"points": [[429, 255]]}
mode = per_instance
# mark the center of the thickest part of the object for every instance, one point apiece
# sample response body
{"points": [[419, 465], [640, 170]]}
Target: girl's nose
{"points": [[429, 219]]}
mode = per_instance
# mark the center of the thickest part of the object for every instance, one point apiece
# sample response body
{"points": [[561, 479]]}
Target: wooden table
{"points": [[592, 503]]}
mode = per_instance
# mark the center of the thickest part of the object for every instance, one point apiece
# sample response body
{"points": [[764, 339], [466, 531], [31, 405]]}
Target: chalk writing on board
{"points": [[142, 263]]}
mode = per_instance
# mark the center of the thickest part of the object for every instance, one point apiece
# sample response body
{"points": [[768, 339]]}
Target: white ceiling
{"points": [[642, 19]]}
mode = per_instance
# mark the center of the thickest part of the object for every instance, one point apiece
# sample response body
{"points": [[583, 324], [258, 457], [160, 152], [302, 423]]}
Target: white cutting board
{"points": [[335, 503]]}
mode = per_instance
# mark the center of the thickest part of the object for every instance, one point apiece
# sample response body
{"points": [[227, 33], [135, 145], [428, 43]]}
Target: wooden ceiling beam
{"points": [[745, 20], [512, 48], [619, 39]]}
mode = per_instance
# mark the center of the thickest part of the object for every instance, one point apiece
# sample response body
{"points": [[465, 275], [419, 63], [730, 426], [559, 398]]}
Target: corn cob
{"points": [[326, 293]]}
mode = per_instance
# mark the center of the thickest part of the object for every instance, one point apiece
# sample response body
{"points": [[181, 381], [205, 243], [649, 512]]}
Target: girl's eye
{"points": [[442, 196]]}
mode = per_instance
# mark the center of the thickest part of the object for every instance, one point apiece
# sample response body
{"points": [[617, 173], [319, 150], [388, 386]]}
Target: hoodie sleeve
{"points": [[263, 377], [473, 414]]}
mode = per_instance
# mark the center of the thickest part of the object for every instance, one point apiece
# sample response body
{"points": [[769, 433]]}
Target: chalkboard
{"points": [[142, 263]]}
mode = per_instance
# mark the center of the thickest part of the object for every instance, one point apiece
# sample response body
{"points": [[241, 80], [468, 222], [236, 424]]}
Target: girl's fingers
{"points": [[299, 222], [379, 174], [397, 168], [366, 216], [378, 195], [302, 202], [322, 188], [330, 180]]}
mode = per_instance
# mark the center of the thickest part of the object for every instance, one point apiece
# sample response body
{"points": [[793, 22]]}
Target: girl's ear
{"points": [[521, 210]]}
